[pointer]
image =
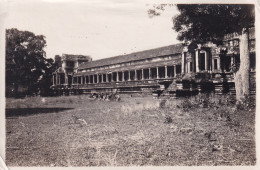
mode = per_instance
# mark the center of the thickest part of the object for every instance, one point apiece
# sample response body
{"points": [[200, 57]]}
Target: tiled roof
{"points": [[176, 61], [75, 57], [162, 51]]}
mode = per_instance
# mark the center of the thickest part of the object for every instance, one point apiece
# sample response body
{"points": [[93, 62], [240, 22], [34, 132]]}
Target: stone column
{"points": [[112, 78], [66, 78], [212, 63], [106, 77], [53, 79], [129, 74], [174, 72], [206, 61], [57, 80], [93, 79], [188, 67], [157, 71], [117, 77], [197, 52], [183, 62], [150, 73], [123, 76], [142, 74], [218, 64], [135, 74], [88, 79], [166, 72], [97, 78]]}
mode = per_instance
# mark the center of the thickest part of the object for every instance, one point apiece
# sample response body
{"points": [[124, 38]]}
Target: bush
{"points": [[162, 103], [167, 119]]}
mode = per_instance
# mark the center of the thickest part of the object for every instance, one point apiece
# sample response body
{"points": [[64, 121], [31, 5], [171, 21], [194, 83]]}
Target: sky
{"points": [[98, 28]]}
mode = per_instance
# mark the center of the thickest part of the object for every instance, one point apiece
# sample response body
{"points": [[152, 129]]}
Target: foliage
{"points": [[26, 63], [210, 22], [157, 9], [201, 23]]}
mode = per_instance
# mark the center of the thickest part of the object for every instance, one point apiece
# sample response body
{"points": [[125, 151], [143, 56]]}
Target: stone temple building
{"points": [[62, 77], [171, 70]]}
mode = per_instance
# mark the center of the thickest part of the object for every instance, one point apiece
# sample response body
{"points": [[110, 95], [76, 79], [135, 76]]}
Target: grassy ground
{"points": [[140, 130]]}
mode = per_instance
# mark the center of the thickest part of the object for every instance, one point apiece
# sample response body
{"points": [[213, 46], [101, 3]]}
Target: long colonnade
{"points": [[159, 72]]}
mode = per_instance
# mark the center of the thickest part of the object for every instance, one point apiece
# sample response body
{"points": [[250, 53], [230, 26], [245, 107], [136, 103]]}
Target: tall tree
{"points": [[202, 23], [25, 59]]}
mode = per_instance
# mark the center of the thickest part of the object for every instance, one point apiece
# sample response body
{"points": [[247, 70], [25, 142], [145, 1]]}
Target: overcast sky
{"points": [[99, 28]]}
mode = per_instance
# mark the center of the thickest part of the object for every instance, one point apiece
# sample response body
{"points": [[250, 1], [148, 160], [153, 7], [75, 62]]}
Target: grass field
{"points": [[139, 130]]}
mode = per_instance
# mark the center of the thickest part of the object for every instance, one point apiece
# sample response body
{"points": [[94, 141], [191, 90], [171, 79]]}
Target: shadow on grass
{"points": [[14, 112]]}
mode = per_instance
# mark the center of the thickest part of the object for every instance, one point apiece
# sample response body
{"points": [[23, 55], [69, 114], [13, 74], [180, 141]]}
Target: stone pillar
{"points": [[150, 73], [135, 74], [218, 64], [112, 78], [117, 77], [129, 74], [142, 74], [77, 80], [66, 82], [206, 61], [157, 71], [93, 79], [123, 76], [97, 78], [197, 52], [183, 62], [166, 72], [174, 72], [88, 79], [212, 63], [53, 79], [57, 79]]}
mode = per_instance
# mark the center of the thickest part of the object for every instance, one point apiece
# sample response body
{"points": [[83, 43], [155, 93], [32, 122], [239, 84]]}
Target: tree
{"points": [[26, 64], [45, 80], [204, 23]]}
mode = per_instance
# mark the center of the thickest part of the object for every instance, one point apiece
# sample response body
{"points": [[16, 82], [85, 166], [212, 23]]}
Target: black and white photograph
{"points": [[113, 83]]}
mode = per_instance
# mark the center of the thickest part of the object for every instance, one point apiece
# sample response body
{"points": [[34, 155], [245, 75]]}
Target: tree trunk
{"points": [[15, 93], [241, 77]]}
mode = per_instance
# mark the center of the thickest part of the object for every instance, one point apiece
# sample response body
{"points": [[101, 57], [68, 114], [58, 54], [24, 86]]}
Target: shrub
{"points": [[162, 103], [167, 119]]}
